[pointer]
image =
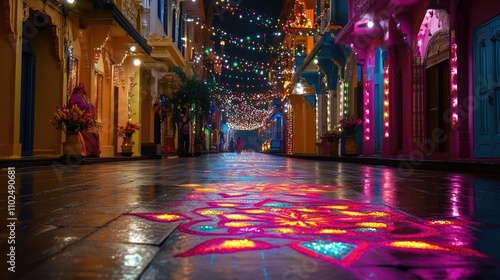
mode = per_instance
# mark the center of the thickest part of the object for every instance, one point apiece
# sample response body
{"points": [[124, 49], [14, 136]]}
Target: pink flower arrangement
{"points": [[128, 130], [72, 119], [350, 124]]}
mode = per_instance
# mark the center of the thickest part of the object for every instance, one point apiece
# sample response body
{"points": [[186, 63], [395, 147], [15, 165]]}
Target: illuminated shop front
{"points": [[416, 80]]}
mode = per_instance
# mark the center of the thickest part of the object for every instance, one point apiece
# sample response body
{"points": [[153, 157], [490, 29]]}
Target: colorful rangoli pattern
{"points": [[324, 228]]}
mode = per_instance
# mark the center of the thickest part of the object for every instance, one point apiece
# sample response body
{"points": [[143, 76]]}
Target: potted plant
{"points": [[127, 132], [71, 120], [349, 126], [192, 92], [199, 140], [333, 138]]}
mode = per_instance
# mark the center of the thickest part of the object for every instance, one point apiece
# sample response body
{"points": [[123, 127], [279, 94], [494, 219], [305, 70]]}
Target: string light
{"points": [[366, 90], [261, 20], [289, 131], [454, 82], [245, 111], [386, 102]]}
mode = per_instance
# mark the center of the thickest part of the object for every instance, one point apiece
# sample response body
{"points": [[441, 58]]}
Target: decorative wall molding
{"points": [[39, 14], [133, 10], [361, 6], [10, 19], [108, 63], [116, 76], [122, 77], [100, 36], [9, 14], [82, 37], [438, 49]]}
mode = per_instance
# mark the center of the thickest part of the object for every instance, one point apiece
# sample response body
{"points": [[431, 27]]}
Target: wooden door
{"points": [[438, 106], [486, 53]]}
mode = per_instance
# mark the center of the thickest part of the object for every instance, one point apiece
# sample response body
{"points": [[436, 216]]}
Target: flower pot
{"points": [[127, 146], [198, 149], [334, 149], [72, 146], [351, 147]]}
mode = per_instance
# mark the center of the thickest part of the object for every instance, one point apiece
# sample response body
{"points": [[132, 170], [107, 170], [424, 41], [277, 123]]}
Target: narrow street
{"points": [[251, 216]]}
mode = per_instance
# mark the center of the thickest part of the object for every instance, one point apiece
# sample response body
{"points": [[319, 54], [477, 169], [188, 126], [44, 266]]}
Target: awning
{"points": [[324, 48], [310, 57], [358, 33], [165, 50]]}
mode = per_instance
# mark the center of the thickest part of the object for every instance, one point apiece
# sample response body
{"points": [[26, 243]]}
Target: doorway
{"points": [[27, 129], [437, 98], [486, 53], [438, 104], [116, 94]]}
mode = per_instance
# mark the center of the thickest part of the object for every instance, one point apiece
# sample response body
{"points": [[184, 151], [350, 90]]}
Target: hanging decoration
{"points": [[245, 111], [244, 86], [243, 82], [248, 43], [248, 66], [250, 16]]}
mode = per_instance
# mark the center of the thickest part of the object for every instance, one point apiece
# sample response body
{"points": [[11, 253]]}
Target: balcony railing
{"points": [[359, 7], [132, 10]]}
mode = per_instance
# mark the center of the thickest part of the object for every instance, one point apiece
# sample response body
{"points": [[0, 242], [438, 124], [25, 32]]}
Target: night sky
{"points": [[243, 28], [250, 27]]}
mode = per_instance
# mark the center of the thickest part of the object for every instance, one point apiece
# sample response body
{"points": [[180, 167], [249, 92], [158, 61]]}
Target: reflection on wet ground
{"points": [[252, 216]]}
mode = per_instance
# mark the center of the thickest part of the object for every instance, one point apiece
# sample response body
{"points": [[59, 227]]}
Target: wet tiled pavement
{"points": [[250, 216]]}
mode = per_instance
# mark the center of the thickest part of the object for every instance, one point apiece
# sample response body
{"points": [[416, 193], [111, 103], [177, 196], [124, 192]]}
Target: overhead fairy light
{"points": [[252, 17], [243, 84], [245, 111]]}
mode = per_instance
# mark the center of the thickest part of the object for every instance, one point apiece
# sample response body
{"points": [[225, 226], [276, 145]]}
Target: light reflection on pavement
{"points": [[254, 216]]}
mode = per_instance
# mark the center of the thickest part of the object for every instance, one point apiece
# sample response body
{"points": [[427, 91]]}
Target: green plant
{"points": [[190, 92]]}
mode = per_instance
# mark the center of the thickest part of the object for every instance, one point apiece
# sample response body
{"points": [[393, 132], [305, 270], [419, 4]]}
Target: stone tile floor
{"points": [[250, 216]]}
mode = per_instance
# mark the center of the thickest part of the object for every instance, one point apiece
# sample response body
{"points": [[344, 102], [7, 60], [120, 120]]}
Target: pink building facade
{"points": [[429, 77]]}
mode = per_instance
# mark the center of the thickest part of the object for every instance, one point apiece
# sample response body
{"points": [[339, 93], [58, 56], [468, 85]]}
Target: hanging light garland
{"points": [[247, 43], [243, 86], [244, 90], [238, 64], [245, 111], [254, 99], [248, 15]]}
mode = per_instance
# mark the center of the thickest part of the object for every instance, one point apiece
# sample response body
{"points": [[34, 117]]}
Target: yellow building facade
{"points": [[49, 47]]}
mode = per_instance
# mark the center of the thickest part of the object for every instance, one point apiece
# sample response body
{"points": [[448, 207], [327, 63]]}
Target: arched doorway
{"points": [[41, 86], [438, 91]]}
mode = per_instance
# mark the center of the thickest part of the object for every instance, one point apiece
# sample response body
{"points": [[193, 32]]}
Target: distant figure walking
{"points": [[184, 129], [239, 145], [231, 145]]}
